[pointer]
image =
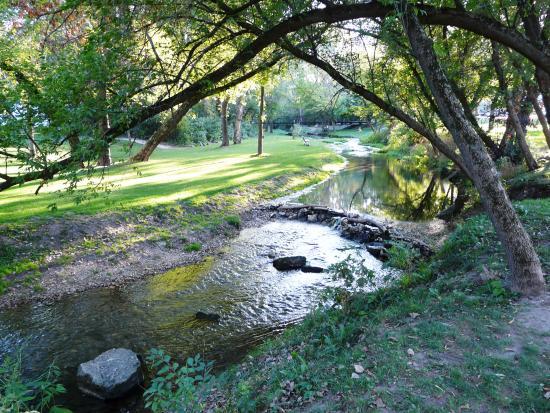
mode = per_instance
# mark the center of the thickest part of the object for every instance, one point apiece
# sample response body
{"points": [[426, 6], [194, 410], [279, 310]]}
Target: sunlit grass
{"points": [[171, 175], [537, 142]]}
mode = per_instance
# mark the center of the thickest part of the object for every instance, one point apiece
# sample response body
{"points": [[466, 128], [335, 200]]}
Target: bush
{"points": [[177, 388], [402, 257], [192, 246], [297, 130], [353, 276], [20, 395], [378, 139], [197, 130], [146, 128], [233, 220]]}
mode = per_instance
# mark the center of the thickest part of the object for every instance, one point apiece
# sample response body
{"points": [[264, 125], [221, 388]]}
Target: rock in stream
{"points": [[289, 263], [110, 375]]}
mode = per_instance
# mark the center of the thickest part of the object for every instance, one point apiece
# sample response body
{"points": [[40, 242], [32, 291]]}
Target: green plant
{"points": [[402, 257], [192, 246], [177, 388], [233, 220], [353, 276], [18, 394]]}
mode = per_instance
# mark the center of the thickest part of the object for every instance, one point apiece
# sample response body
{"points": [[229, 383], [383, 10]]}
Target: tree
{"points": [[532, 96], [239, 111], [526, 272], [261, 123], [223, 116], [512, 113]]}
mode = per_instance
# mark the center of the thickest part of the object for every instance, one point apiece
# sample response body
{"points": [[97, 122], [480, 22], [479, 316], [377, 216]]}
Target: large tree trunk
{"points": [[526, 272], [162, 133], [532, 96], [74, 145], [223, 115], [492, 115], [507, 135], [239, 111], [261, 123], [521, 136], [512, 112]]}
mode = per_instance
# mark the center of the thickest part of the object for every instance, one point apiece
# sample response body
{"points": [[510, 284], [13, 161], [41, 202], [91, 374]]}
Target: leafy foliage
{"points": [[177, 388], [353, 275], [18, 394]]}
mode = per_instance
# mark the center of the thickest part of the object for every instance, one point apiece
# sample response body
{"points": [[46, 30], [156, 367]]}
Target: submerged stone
{"points": [[207, 316], [289, 263], [312, 268], [110, 375]]}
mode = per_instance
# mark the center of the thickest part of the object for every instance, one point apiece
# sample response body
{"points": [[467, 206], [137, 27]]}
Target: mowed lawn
{"points": [[173, 174]]}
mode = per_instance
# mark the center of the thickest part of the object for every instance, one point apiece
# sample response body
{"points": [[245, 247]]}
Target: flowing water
{"points": [[381, 186], [254, 300]]}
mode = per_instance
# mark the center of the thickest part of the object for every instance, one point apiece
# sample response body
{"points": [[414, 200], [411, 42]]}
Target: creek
{"points": [[254, 300]]}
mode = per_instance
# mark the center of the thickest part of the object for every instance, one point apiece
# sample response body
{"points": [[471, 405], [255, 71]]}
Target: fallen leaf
{"points": [[413, 315], [410, 352], [547, 395], [355, 376], [358, 368]]}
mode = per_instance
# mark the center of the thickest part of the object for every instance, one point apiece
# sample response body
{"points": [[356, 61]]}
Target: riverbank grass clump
{"points": [[447, 336]]}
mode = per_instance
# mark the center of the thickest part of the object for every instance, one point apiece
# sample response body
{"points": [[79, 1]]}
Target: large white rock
{"points": [[110, 375]]}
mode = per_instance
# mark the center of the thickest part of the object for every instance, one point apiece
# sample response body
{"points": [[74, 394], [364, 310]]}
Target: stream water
{"points": [[255, 301], [381, 186]]}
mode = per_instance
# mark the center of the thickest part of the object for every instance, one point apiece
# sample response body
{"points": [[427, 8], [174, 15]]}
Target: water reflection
{"points": [[254, 300], [384, 187]]}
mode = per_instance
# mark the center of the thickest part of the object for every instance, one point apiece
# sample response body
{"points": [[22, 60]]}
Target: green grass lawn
{"points": [[537, 142], [190, 174]]}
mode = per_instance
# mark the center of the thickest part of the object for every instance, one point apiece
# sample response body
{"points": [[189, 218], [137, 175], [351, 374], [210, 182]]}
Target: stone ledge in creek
{"points": [[312, 268], [357, 227]]}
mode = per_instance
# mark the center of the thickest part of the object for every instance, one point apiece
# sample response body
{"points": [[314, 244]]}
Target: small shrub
{"points": [[7, 253], [233, 220], [175, 387], [378, 138], [402, 257], [20, 395], [192, 246], [354, 276]]}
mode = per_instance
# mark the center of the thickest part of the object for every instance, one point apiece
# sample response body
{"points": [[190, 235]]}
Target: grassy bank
{"points": [[178, 174], [183, 199], [446, 337]]}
